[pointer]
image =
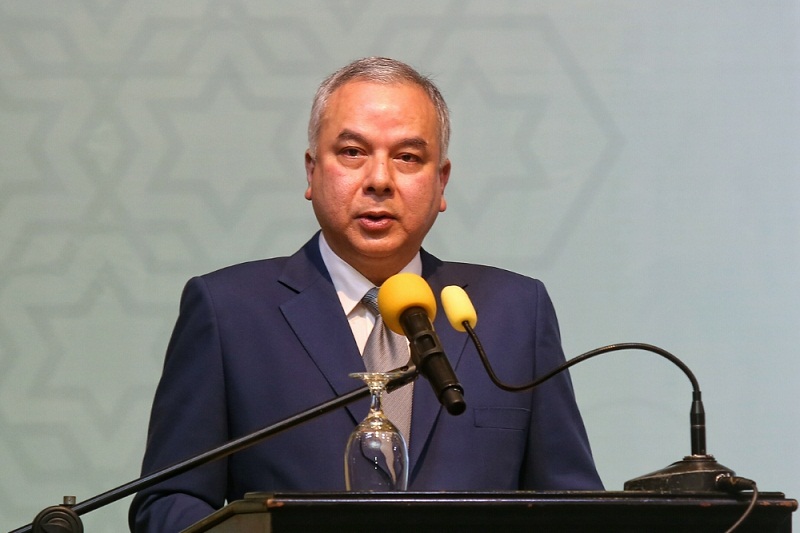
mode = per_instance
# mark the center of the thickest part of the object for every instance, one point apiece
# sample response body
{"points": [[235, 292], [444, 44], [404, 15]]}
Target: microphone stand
{"points": [[65, 518]]}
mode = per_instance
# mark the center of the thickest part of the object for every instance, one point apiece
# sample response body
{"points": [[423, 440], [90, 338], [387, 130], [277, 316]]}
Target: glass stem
{"points": [[375, 403]]}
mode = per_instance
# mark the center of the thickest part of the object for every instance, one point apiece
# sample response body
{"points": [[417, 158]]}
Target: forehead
{"points": [[375, 103]]}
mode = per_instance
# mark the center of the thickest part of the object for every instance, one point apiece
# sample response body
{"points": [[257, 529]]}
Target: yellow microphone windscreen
{"points": [[401, 292], [458, 307]]}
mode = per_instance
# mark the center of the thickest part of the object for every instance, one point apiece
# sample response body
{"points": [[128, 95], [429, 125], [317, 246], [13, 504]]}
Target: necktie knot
{"points": [[370, 300]]}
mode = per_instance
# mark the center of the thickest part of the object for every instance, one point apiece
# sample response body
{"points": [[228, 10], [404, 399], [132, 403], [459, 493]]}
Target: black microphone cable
{"points": [[735, 485], [697, 412]]}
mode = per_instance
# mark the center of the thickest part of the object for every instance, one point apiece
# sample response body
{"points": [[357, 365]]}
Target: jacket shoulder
{"points": [[472, 273]]}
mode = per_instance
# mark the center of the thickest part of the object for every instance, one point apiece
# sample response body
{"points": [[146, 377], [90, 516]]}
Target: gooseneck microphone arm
{"points": [[697, 414], [698, 472]]}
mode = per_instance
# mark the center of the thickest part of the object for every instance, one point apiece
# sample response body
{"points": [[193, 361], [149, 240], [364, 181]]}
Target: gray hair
{"points": [[378, 70]]}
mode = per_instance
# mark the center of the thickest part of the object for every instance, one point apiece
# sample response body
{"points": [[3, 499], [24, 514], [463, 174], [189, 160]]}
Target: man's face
{"points": [[375, 183]]}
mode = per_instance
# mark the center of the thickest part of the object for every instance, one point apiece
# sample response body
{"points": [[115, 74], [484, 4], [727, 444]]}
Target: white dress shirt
{"points": [[351, 286]]}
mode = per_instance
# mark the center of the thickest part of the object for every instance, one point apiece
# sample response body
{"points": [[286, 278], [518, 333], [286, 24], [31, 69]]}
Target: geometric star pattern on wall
{"points": [[67, 395], [559, 140], [149, 142], [226, 168]]}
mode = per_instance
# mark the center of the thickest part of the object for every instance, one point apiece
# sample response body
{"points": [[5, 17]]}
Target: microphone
{"points": [[408, 307], [458, 308]]}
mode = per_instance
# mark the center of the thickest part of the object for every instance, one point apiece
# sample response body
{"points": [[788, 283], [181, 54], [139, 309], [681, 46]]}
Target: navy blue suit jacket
{"points": [[258, 342]]}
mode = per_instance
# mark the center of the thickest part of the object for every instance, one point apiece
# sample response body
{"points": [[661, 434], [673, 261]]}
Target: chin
{"points": [[379, 252]]}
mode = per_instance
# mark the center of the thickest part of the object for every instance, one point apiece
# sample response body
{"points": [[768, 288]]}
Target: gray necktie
{"points": [[386, 350]]}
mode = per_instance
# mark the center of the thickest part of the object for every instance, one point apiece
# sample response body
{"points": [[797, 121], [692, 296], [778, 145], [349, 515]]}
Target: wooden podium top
{"points": [[599, 511]]}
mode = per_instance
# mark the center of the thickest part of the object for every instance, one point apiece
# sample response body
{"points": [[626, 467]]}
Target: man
{"points": [[258, 342]]}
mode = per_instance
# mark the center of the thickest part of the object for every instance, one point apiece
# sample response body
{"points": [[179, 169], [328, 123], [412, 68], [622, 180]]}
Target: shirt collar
{"points": [[349, 283]]}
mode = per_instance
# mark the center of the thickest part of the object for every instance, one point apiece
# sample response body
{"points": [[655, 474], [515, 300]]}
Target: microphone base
{"points": [[57, 519], [695, 473]]}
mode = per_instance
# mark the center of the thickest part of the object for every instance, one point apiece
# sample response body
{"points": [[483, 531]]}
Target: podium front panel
{"points": [[540, 512]]}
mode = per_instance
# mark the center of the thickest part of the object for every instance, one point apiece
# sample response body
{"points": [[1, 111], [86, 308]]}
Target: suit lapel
{"points": [[316, 317]]}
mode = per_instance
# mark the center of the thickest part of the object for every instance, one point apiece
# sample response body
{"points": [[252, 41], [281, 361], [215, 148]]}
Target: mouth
{"points": [[376, 220], [376, 216]]}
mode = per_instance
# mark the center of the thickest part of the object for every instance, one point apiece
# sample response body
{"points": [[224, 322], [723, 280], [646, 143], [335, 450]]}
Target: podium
{"points": [[509, 512]]}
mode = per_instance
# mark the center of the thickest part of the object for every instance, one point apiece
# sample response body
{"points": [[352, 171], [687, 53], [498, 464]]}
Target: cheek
{"points": [[334, 192], [426, 202], [336, 177]]}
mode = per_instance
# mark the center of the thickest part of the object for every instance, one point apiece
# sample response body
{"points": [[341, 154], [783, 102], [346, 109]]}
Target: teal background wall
{"points": [[640, 157]]}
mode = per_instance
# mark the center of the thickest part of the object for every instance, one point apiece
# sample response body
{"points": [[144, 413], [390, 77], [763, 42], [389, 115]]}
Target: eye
{"points": [[409, 158], [350, 151]]}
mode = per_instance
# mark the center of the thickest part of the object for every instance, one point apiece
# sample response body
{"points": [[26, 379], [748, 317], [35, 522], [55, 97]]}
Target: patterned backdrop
{"points": [[639, 157]]}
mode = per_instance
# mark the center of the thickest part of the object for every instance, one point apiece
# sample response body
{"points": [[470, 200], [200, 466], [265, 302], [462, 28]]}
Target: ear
{"points": [[444, 177], [311, 164]]}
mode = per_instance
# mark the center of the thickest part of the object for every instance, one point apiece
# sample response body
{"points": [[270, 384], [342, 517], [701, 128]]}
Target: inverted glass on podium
{"points": [[468, 512]]}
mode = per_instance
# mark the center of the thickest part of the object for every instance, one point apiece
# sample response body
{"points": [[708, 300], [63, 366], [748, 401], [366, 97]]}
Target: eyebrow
{"points": [[350, 135], [416, 142]]}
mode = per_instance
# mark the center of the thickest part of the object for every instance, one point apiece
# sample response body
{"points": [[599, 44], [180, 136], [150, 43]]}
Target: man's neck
{"points": [[341, 269]]}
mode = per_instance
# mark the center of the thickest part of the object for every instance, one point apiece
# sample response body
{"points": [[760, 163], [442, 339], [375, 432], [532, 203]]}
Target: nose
{"points": [[379, 179]]}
